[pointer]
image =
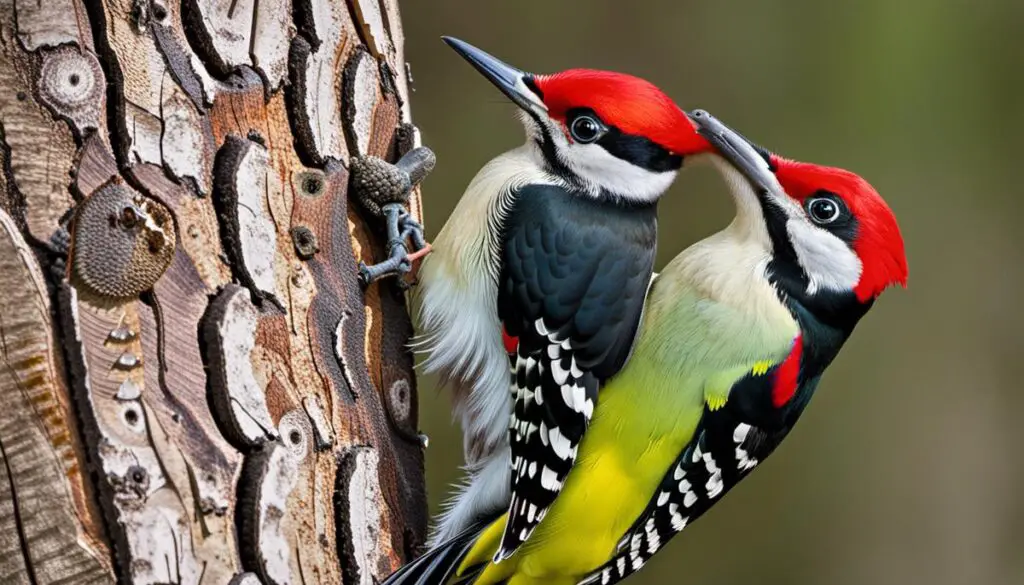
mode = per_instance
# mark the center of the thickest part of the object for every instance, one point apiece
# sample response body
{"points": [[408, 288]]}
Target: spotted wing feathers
{"points": [[553, 405], [573, 281], [722, 454]]}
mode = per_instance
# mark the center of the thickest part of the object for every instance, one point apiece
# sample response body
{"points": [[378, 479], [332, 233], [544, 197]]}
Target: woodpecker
{"points": [[737, 332], [543, 268]]}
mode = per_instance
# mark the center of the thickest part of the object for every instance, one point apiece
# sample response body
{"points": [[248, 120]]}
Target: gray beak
{"points": [[511, 81], [736, 149]]}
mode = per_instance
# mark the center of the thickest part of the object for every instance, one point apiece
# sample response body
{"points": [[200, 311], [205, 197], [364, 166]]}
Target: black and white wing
{"points": [[575, 272], [723, 451]]}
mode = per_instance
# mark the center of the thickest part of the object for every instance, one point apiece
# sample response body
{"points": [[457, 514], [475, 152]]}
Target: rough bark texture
{"points": [[194, 387]]}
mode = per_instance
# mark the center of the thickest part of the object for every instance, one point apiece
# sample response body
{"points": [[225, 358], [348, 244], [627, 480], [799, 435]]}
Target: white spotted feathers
{"points": [[743, 459], [554, 401], [717, 460]]}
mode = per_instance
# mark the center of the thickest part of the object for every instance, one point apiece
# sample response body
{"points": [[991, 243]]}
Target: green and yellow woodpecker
{"points": [[736, 333]]}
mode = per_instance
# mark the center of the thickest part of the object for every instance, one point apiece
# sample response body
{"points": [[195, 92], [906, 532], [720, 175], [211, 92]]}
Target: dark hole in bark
{"points": [[312, 185]]}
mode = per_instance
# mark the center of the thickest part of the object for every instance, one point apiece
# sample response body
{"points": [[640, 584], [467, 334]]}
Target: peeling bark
{"points": [[194, 386], [42, 491]]}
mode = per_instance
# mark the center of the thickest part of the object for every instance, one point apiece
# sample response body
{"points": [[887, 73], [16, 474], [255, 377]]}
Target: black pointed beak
{"points": [[511, 81], [736, 149]]}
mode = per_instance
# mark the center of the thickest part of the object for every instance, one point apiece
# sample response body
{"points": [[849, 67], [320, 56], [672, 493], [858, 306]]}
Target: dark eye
{"points": [[586, 129], [824, 210]]}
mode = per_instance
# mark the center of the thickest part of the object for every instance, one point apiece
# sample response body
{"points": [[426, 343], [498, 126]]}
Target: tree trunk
{"points": [[194, 386]]}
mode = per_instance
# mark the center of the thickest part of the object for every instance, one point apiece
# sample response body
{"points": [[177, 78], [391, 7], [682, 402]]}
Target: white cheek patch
{"points": [[595, 165], [828, 262], [599, 170]]}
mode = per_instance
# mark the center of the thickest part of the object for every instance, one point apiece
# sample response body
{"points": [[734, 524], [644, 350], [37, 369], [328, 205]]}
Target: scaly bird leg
{"points": [[383, 189]]}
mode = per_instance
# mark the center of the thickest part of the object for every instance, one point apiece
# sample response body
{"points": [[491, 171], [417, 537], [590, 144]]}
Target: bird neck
{"points": [[825, 325]]}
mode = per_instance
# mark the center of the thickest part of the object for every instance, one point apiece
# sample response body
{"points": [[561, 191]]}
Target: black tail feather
{"points": [[443, 567], [436, 566]]}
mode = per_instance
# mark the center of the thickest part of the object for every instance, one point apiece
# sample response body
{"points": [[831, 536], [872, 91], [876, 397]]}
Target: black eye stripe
{"points": [[637, 150], [640, 151]]}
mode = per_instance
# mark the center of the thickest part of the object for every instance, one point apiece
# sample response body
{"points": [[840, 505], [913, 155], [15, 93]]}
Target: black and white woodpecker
{"points": [[544, 266]]}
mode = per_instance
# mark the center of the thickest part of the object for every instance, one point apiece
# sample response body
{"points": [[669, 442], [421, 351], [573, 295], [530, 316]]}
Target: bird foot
{"points": [[383, 189]]}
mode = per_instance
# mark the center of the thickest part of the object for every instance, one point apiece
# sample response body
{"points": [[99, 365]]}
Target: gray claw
{"points": [[393, 266], [383, 189]]}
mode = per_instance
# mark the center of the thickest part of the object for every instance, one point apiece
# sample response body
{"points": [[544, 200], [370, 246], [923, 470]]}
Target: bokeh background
{"points": [[909, 466]]}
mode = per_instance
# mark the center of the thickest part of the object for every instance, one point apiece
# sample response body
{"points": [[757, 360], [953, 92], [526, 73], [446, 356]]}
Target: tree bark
{"points": [[194, 387]]}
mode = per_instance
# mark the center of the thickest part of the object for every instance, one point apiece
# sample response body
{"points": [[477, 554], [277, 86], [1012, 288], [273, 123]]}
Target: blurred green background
{"points": [[908, 467]]}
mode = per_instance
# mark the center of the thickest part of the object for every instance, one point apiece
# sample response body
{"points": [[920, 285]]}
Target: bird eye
{"points": [[586, 129], [824, 210]]}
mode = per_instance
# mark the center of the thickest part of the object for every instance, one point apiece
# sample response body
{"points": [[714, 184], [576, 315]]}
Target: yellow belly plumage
{"points": [[611, 483]]}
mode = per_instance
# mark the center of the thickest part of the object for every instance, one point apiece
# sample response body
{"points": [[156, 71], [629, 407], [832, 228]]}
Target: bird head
{"points": [[610, 134], [833, 239]]}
